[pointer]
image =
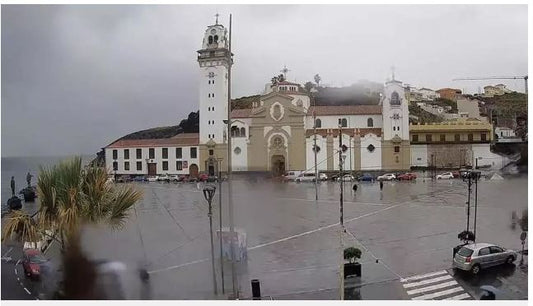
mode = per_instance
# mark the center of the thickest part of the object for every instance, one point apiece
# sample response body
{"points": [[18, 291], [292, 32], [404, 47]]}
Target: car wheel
{"points": [[475, 269], [510, 260]]}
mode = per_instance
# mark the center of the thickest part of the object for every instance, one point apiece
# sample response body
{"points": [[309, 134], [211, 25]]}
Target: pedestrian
{"points": [[380, 185], [12, 186], [354, 187], [28, 179]]}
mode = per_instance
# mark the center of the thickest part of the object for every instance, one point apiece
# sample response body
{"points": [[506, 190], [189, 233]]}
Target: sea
{"points": [[19, 168]]}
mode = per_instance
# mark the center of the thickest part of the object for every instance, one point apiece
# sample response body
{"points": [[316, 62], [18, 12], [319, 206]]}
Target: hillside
{"points": [[423, 116]]}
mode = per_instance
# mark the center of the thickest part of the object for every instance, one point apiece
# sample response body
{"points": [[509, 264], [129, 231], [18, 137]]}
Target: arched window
{"points": [[243, 132], [395, 99], [370, 122], [318, 123], [216, 39], [210, 39], [344, 122]]}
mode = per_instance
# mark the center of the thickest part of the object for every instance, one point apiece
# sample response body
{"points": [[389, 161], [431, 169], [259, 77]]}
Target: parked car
{"points": [[346, 178], [33, 262], [139, 178], [212, 178], [174, 178], [456, 174], [322, 177], [477, 256], [163, 178], [152, 178], [305, 177], [203, 177], [291, 175], [386, 177], [445, 176], [367, 177], [406, 176]]}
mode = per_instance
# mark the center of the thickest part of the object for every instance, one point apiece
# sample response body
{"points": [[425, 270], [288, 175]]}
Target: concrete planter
{"points": [[352, 269]]}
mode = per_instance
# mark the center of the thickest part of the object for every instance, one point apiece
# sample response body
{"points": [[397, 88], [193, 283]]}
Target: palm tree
{"points": [[71, 196]]}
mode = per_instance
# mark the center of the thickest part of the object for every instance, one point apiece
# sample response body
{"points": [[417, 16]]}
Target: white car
{"points": [[291, 175], [347, 178], [163, 177], [305, 177], [386, 177], [174, 178], [152, 179], [322, 177], [445, 176]]}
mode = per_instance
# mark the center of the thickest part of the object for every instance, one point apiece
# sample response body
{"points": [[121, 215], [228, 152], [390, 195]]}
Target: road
{"points": [[293, 242]]}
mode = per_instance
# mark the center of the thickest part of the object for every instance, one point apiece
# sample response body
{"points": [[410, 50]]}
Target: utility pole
{"points": [[476, 179], [220, 221], [468, 201], [317, 79], [209, 192], [341, 178], [234, 280]]}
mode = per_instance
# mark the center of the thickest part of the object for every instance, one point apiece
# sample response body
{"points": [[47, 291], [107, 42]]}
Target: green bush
{"points": [[352, 254]]}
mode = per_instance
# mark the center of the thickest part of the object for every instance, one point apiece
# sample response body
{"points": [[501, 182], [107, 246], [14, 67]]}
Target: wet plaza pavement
{"points": [[294, 244]]}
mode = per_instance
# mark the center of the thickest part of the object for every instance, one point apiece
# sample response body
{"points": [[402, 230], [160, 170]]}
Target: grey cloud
{"points": [[74, 78]]}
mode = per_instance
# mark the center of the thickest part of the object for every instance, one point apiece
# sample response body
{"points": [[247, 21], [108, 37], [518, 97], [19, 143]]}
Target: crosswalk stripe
{"points": [[428, 281], [437, 294], [459, 297], [431, 288], [423, 276]]}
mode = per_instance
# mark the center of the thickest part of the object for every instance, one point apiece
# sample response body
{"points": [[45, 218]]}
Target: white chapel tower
{"points": [[396, 150], [214, 60], [214, 63]]}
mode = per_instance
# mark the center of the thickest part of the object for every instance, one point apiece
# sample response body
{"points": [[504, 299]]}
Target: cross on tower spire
{"points": [[216, 20], [392, 71], [284, 71]]}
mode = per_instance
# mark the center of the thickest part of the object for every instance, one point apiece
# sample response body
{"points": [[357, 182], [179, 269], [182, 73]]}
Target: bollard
{"points": [[256, 290]]}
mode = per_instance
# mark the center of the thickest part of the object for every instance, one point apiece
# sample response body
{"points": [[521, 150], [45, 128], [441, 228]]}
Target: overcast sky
{"points": [[75, 78]]}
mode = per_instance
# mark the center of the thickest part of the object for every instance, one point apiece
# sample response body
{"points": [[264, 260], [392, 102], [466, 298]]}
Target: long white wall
{"points": [[370, 160], [186, 157], [321, 156], [349, 163], [485, 157], [354, 121], [239, 162], [419, 155]]}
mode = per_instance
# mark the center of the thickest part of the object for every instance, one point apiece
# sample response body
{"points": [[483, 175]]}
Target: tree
{"points": [[466, 236], [317, 79], [277, 79], [71, 196], [308, 86], [352, 254]]}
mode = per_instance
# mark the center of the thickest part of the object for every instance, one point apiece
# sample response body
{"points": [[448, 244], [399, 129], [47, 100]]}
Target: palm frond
{"points": [[125, 198], [18, 224]]}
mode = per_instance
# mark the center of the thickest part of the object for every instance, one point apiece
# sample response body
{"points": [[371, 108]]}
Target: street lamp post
{"points": [[219, 162], [209, 192]]}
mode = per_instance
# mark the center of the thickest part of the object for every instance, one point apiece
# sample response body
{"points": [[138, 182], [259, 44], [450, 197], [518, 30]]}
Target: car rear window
{"points": [[465, 252]]}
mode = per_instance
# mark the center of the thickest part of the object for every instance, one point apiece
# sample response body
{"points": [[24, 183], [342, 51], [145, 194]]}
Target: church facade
{"points": [[277, 134]]}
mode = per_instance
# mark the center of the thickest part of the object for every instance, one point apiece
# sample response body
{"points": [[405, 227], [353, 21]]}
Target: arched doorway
{"points": [[193, 170], [278, 165]]}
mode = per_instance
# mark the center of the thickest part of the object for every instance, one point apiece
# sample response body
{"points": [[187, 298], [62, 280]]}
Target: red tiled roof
{"points": [[345, 110], [185, 139], [346, 131], [241, 113], [287, 83]]}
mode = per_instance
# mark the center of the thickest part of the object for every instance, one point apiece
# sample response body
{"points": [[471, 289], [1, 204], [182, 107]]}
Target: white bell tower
{"points": [[395, 112], [214, 60]]}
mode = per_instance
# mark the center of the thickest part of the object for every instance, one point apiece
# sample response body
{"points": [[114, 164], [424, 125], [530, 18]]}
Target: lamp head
{"points": [[209, 192]]}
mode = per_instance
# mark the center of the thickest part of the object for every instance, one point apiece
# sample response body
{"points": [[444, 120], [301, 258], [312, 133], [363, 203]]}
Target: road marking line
{"points": [[423, 276], [431, 288], [459, 297], [16, 272], [17, 262], [437, 294], [8, 251], [178, 266], [429, 281], [27, 291]]}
